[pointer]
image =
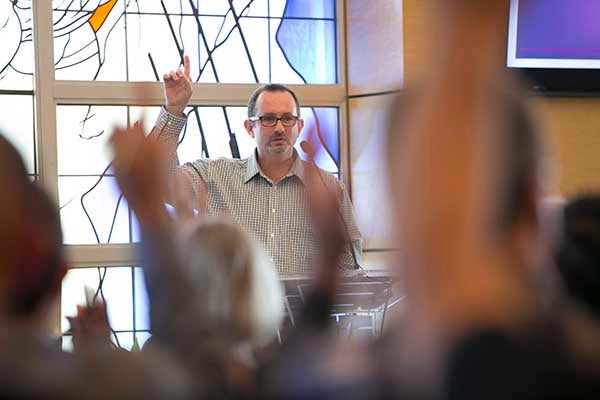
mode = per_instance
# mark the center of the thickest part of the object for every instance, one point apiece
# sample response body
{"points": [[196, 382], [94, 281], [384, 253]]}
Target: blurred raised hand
{"points": [[445, 176], [90, 328], [324, 205], [140, 166], [182, 199]]}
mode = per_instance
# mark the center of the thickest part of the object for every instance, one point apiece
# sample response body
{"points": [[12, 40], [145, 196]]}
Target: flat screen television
{"points": [[556, 44]]}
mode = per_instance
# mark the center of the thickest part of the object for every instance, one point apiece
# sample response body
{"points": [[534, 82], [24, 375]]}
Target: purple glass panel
{"points": [[559, 29]]}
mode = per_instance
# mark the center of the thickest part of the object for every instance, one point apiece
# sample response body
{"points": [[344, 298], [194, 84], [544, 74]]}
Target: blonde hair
{"points": [[239, 288]]}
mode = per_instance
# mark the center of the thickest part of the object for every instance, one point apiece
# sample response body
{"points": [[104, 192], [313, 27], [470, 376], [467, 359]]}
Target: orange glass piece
{"points": [[100, 15]]}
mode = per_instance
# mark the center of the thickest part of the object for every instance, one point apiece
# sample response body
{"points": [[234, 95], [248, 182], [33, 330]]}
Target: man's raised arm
{"points": [[170, 123]]}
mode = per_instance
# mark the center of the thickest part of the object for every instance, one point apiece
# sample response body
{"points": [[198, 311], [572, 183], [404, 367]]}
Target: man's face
{"points": [[276, 141]]}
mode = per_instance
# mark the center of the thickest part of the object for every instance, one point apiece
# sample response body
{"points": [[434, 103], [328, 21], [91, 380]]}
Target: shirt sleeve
{"points": [[347, 261], [166, 131]]}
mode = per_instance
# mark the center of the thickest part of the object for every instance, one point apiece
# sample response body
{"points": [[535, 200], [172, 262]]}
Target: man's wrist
{"points": [[169, 124], [175, 110]]}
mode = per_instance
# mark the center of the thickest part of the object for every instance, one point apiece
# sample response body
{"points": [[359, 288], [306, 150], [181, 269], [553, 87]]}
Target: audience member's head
{"points": [[13, 180], [37, 278], [578, 256], [241, 288], [32, 260]]}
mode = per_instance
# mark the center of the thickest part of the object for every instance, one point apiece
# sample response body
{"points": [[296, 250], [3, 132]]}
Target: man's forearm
{"points": [[166, 130]]}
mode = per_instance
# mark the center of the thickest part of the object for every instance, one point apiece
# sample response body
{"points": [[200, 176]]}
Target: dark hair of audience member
{"points": [[14, 183], [42, 270], [578, 255], [34, 274]]}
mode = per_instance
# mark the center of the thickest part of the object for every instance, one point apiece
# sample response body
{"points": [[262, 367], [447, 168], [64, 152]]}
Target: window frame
{"points": [[50, 93]]}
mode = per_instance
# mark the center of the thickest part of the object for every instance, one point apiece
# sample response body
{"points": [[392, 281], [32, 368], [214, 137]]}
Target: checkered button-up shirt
{"points": [[274, 213]]}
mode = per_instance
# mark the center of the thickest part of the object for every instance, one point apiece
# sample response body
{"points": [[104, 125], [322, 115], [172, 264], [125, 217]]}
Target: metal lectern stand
{"points": [[359, 306]]}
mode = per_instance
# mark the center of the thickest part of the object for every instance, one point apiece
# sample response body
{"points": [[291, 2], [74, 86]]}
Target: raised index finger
{"points": [[186, 66]]}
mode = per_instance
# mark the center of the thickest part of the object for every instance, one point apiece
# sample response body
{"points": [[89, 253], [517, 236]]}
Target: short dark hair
{"points": [[43, 218], [35, 274], [270, 87], [578, 255]]}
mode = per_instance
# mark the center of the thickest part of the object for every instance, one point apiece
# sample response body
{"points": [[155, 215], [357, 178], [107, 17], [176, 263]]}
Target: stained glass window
{"points": [[16, 51], [237, 41], [123, 290], [16, 81], [19, 128], [92, 208], [242, 41]]}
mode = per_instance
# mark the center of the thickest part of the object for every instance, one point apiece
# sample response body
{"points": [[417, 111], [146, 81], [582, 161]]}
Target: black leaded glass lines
{"points": [[124, 292], [92, 209], [228, 40]]}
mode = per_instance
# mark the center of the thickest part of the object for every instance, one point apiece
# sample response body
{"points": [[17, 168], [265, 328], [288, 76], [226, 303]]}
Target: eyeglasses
{"points": [[269, 121]]}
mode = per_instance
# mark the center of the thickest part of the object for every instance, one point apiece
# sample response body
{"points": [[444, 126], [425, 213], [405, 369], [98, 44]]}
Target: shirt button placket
{"points": [[271, 222]]}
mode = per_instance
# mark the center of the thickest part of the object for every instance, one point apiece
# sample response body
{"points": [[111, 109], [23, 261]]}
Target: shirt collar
{"points": [[253, 168]]}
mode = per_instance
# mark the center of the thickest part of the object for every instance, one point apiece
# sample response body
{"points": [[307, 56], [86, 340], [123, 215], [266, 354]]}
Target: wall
{"points": [[375, 65], [574, 130], [386, 48]]}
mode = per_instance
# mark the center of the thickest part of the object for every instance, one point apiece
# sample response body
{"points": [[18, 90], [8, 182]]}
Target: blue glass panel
{"points": [[321, 125], [304, 9], [309, 46], [330, 134]]}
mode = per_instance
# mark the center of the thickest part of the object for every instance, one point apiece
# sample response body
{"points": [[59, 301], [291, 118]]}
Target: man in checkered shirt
{"points": [[265, 193]]}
